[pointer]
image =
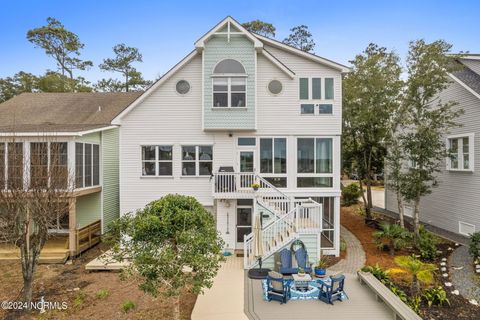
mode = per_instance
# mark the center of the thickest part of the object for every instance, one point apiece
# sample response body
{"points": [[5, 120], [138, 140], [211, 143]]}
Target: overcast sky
{"points": [[166, 31]]}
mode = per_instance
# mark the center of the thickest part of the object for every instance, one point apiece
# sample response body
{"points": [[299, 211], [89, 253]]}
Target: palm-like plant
{"points": [[395, 236], [420, 271]]}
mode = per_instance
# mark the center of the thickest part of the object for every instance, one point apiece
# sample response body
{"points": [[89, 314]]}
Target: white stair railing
{"points": [[306, 217]]}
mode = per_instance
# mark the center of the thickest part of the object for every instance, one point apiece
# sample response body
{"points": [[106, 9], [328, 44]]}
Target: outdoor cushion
{"points": [[278, 284]]}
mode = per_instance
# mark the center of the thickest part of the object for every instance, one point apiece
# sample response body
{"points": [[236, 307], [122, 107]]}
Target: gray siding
{"points": [[472, 64], [456, 199]]}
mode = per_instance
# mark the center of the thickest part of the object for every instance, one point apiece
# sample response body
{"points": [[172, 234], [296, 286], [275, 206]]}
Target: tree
{"points": [[61, 44], [124, 58], [260, 27], [300, 38], [28, 208], [172, 244], [427, 120], [55, 82], [371, 98], [19, 83], [109, 85], [420, 271]]}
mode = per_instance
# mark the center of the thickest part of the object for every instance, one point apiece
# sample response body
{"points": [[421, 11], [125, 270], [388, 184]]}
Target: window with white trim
{"points": [[197, 160], [87, 165], [314, 163], [157, 160], [273, 160], [460, 153], [229, 84]]}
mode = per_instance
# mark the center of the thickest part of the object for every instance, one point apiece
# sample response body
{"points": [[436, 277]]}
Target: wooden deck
{"points": [[54, 251]]}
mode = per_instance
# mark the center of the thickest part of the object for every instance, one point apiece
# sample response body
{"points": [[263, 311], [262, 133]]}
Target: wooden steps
{"points": [[54, 251]]}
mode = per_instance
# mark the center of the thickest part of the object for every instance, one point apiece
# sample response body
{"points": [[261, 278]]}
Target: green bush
{"points": [[392, 235], [435, 296], [474, 245], [350, 194], [379, 273], [128, 305], [427, 244], [102, 293], [414, 303]]}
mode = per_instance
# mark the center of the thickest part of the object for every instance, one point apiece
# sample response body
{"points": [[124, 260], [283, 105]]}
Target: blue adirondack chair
{"points": [[278, 288], [286, 262], [302, 260], [333, 291]]}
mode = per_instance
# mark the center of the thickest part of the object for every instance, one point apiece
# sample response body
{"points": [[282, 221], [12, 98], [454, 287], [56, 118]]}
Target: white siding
{"points": [[168, 118], [456, 197]]}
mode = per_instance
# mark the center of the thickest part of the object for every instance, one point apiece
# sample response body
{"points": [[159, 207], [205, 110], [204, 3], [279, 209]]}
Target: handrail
{"points": [[264, 181]]}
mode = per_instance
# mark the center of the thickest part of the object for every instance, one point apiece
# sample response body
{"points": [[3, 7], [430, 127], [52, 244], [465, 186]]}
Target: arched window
{"points": [[229, 84], [229, 66]]}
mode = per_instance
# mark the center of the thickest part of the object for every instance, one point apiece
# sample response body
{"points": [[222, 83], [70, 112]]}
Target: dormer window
{"points": [[229, 84]]}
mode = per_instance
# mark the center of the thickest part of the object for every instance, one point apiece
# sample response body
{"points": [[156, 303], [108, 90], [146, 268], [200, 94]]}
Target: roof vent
{"points": [[99, 109]]}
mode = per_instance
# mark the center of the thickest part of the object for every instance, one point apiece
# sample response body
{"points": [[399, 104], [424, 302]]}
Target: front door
{"points": [[244, 224], [246, 164]]}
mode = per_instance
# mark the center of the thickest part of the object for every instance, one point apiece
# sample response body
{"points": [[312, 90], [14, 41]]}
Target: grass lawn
{"points": [[89, 295]]}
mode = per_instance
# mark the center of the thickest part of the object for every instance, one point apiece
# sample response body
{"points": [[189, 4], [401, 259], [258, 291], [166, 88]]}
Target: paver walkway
{"points": [[355, 259], [224, 300]]}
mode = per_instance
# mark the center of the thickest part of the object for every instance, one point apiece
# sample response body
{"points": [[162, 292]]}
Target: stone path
{"points": [[355, 259], [464, 280]]}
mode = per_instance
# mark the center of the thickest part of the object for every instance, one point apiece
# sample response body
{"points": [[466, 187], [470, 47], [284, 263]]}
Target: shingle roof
{"points": [[62, 112], [469, 78]]}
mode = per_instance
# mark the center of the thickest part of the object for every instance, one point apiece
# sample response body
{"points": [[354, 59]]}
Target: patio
{"points": [[360, 305]]}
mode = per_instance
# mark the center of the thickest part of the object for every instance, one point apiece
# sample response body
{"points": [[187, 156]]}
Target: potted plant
{"points": [[255, 186], [301, 272], [321, 267]]}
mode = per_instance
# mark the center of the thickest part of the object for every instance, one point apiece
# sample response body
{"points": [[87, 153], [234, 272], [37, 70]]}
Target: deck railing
{"points": [[88, 236]]}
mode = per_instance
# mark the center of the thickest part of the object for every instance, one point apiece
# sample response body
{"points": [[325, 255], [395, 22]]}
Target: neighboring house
{"points": [[454, 204], [242, 109], [78, 127]]}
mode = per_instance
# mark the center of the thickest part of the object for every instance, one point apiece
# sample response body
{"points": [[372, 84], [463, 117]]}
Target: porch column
{"points": [[72, 226], [336, 223]]}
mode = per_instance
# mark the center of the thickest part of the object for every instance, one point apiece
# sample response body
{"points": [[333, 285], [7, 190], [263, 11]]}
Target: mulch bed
{"points": [[459, 307], [58, 283]]}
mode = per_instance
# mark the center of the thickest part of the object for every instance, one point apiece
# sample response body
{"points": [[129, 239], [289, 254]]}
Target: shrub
{"points": [[350, 194], [79, 298], [392, 235], [414, 303], [427, 244], [474, 245], [128, 305], [420, 271], [435, 296], [102, 294], [343, 245], [379, 273]]}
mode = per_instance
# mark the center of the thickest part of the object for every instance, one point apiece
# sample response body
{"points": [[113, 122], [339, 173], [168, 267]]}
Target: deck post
{"points": [[72, 226]]}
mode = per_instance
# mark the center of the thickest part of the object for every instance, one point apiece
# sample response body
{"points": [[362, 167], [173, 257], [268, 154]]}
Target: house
{"points": [[242, 109], [77, 128], [454, 203]]}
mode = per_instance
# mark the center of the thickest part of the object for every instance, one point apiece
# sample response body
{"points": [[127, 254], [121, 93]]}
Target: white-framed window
{"points": [[87, 165], [49, 161], [229, 85], [311, 88], [314, 162], [461, 149], [157, 160], [197, 160], [273, 160]]}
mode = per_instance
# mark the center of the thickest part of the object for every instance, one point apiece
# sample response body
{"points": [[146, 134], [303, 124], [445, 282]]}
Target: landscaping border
{"points": [[399, 308]]}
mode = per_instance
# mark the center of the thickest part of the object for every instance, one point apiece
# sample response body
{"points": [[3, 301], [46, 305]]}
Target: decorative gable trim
{"points": [[229, 22], [153, 87], [298, 52]]}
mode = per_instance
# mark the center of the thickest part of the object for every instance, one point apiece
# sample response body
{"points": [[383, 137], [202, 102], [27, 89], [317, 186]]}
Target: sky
{"points": [[165, 31]]}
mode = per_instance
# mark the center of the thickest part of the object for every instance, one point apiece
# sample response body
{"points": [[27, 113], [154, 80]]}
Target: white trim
{"points": [[200, 43], [158, 83], [476, 94], [471, 152], [275, 61], [100, 180], [304, 54], [469, 57], [466, 224], [55, 134]]}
